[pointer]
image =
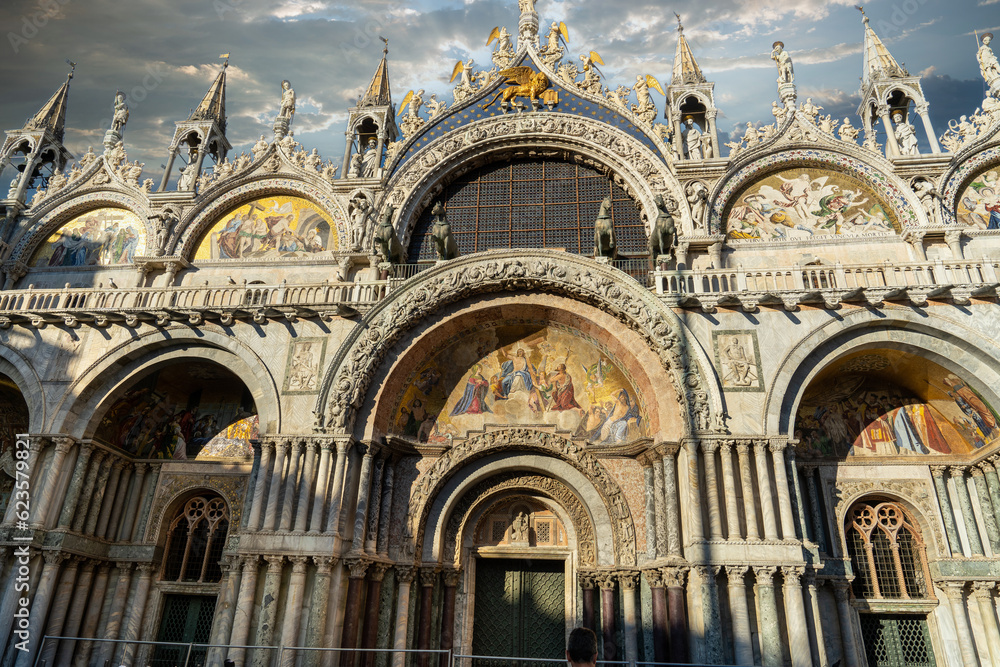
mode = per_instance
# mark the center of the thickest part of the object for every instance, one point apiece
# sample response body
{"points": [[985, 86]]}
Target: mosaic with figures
{"points": [[101, 236], [979, 205], [520, 373], [806, 202], [268, 228], [183, 411], [890, 404]]}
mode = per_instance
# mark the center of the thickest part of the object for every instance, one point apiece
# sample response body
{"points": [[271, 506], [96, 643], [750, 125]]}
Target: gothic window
{"points": [[195, 541], [887, 552], [531, 203]]}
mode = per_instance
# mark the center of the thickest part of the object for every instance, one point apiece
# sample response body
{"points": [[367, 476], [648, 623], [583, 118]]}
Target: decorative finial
{"points": [[226, 56], [385, 49], [72, 68], [862, 10], [680, 27]]}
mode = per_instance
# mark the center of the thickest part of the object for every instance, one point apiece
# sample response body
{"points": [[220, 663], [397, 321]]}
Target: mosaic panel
{"points": [[979, 205], [99, 237]]}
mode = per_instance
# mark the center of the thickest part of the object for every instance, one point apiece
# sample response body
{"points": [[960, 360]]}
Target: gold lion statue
{"points": [[522, 82]]}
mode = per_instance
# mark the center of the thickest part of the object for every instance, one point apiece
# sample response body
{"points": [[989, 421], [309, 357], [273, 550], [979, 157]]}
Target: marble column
{"points": [[111, 499], [649, 495], [291, 482], [352, 607], [307, 486], [674, 578], [659, 508], [709, 447], [274, 489], [993, 483], [922, 110], [318, 608], [711, 614], [244, 609], [661, 630], [955, 592], [35, 446], [97, 497], [388, 486], [337, 495], [83, 504], [59, 608], [606, 580], [74, 616], [268, 611], [404, 580], [364, 488], [629, 581], [770, 635], [116, 612], [225, 609], [75, 487], [587, 585], [374, 506], [729, 489], [852, 656], [673, 522], [740, 614], [40, 605], [816, 619], [986, 505], [133, 499], [81, 657], [944, 501], [450, 577], [764, 490], [42, 498], [293, 609], [322, 486], [147, 502], [259, 496], [749, 498], [781, 485], [133, 626], [965, 505], [428, 578], [983, 592], [795, 617], [800, 508], [815, 509], [120, 502], [369, 631]]}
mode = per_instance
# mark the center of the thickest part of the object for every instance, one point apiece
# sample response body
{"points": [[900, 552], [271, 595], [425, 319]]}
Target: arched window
{"points": [[887, 552], [196, 539]]}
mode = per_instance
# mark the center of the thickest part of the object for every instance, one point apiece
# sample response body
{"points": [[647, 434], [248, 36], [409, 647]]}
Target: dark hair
{"points": [[582, 645]]}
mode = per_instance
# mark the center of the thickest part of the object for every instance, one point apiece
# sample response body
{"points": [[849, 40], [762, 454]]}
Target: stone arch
{"points": [[189, 231], [348, 378], [14, 365], [108, 377], [50, 220], [876, 172], [438, 489], [944, 341], [642, 173]]}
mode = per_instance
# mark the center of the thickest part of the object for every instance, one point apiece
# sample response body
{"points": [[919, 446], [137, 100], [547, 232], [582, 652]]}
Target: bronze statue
{"points": [[604, 232], [663, 233], [386, 242], [522, 82], [441, 233]]}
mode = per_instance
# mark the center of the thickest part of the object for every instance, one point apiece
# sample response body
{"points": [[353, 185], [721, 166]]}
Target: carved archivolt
{"points": [[232, 488], [916, 493], [545, 486], [349, 376], [430, 483], [643, 172]]}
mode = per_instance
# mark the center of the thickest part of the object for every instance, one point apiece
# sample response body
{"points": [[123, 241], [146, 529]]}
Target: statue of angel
{"points": [[781, 58], [415, 101], [591, 75], [465, 69]]}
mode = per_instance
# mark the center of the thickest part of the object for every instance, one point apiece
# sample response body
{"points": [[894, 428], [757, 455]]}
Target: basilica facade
{"points": [[540, 356]]}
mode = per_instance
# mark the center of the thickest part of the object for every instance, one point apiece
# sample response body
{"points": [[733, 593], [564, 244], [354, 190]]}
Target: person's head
{"points": [[581, 649]]}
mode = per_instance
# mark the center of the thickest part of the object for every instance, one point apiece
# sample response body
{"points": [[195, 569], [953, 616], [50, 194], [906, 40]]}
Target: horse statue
{"points": [[664, 233], [604, 232], [386, 242], [441, 233]]}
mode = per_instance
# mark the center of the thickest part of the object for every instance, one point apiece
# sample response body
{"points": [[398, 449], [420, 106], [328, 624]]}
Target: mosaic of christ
{"points": [[524, 373], [802, 203]]}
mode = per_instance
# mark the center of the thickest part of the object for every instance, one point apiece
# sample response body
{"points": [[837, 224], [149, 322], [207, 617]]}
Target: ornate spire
{"points": [[879, 63], [686, 68], [52, 115], [213, 106], [378, 94]]}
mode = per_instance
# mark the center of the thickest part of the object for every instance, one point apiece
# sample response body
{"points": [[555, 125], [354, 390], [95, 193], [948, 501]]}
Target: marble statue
{"points": [[121, 113], [930, 199], [697, 197], [259, 148], [811, 110], [781, 58], [826, 123], [355, 169], [905, 136], [692, 140], [988, 65], [519, 527], [188, 178], [415, 101], [664, 232], [13, 187], [848, 132], [435, 107], [707, 149], [313, 160], [386, 242], [779, 112], [526, 6], [361, 209], [370, 161], [287, 109]]}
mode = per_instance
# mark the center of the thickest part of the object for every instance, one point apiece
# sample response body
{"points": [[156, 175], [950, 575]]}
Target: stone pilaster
{"points": [[781, 486], [989, 518], [955, 592], [709, 447], [72, 497], [852, 656], [770, 635], [740, 613], [290, 483], [244, 609], [729, 489], [404, 579], [322, 487], [147, 502], [259, 496], [307, 487], [134, 498], [749, 498], [965, 505], [293, 607], [764, 490], [120, 501], [711, 614], [268, 608], [795, 618], [374, 506], [83, 505], [388, 487], [673, 527], [274, 490]]}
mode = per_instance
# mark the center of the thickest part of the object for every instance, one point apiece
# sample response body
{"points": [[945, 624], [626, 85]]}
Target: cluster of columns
{"points": [[957, 504], [729, 483], [985, 649]]}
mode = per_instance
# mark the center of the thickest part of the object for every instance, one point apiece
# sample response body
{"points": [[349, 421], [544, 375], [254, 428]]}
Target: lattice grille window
{"points": [[543, 532], [195, 541], [531, 204], [499, 531], [887, 552]]}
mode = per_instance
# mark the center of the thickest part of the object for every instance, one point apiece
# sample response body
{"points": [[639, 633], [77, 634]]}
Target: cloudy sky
{"points": [[164, 55]]}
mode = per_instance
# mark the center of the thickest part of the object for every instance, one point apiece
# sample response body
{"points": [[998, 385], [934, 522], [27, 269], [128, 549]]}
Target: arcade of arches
{"points": [[403, 407]]}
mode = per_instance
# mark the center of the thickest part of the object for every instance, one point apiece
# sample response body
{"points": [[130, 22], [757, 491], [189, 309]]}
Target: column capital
{"points": [[841, 589], [605, 579], [983, 589], [377, 570], [953, 590], [710, 445], [628, 579], [281, 446], [654, 577], [145, 569], [86, 448], [707, 572], [325, 563], [357, 566], [675, 576], [809, 576], [250, 563], [735, 573], [777, 446], [956, 471], [405, 572], [451, 576], [975, 471], [793, 574], [325, 444], [428, 577], [586, 580], [743, 447], [764, 574], [726, 446], [298, 564], [759, 445], [668, 448], [229, 563], [274, 560], [938, 471], [63, 443], [987, 466], [54, 557]]}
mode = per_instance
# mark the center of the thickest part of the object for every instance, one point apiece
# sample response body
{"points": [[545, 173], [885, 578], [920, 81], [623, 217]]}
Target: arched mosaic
{"points": [[268, 228], [99, 237], [979, 204]]}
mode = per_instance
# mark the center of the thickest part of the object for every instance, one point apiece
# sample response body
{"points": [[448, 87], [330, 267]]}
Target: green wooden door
{"points": [[897, 640], [186, 619], [520, 609]]}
